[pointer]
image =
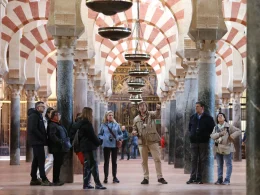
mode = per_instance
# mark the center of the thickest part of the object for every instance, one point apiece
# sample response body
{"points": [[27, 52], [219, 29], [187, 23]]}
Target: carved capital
{"points": [[225, 103], [191, 71], [81, 69], [236, 97], [207, 51], [180, 87], [31, 94], [90, 83], [65, 46], [15, 90]]}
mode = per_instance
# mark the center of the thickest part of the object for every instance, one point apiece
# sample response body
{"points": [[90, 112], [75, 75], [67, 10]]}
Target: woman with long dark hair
{"points": [[224, 135], [88, 146]]}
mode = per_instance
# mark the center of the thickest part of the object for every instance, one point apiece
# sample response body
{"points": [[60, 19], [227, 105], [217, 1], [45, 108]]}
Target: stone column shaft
{"points": [[190, 97], [179, 132], [65, 61], [30, 104], [15, 125], [97, 123], [253, 99], [236, 121], [171, 112], [206, 86]]}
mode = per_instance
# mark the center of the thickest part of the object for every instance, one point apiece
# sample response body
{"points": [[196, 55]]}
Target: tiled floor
{"points": [[14, 180]]}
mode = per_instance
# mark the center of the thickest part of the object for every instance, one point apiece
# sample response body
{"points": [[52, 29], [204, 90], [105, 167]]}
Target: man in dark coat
{"points": [[200, 127], [37, 139]]}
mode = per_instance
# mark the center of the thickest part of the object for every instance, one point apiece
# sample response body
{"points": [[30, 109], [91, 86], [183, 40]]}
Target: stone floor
{"points": [[14, 180]]}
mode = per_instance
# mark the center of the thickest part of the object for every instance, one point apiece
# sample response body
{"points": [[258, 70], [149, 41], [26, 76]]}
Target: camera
{"points": [[110, 138], [216, 144]]}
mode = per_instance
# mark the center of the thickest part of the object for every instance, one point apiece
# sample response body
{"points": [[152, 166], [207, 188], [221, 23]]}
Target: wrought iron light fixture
{"points": [[114, 33], [136, 83], [134, 91], [137, 56], [135, 98], [109, 7]]}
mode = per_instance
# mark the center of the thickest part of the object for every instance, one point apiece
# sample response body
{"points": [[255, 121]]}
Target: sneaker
{"points": [[46, 182], [199, 182], [37, 182], [100, 187], [59, 183], [218, 182], [88, 187], [115, 180], [191, 181], [162, 181], [226, 182], [145, 181]]}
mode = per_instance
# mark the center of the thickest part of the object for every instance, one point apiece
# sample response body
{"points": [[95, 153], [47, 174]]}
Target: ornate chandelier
{"points": [[114, 33], [109, 7]]}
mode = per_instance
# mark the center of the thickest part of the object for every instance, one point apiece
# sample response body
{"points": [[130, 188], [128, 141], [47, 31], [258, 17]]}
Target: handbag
{"points": [[66, 145], [119, 142], [224, 149]]}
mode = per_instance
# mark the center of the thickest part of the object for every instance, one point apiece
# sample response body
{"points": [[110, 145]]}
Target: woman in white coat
{"points": [[224, 134]]}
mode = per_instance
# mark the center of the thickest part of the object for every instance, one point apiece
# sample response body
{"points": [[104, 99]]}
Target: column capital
{"points": [[31, 94], [90, 83], [180, 86], [65, 47], [15, 90], [207, 50], [81, 69], [191, 69], [225, 103], [236, 97]]}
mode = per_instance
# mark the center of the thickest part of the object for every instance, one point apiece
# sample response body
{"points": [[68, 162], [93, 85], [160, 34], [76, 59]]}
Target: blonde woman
{"points": [[110, 133]]}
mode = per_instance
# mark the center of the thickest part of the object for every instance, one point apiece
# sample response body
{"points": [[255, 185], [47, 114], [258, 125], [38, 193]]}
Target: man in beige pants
{"points": [[148, 139]]}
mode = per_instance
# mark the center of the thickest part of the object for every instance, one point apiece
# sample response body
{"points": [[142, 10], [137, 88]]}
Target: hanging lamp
{"points": [[109, 7], [138, 56], [114, 33], [135, 98]]}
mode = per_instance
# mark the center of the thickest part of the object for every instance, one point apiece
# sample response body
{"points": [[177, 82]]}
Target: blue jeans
{"points": [[220, 160], [134, 151]]}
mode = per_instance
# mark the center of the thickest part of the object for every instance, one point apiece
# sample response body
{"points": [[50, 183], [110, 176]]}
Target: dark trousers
{"points": [[57, 162], [38, 162], [107, 152], [123, 148], [198, 160], [90, 167]]}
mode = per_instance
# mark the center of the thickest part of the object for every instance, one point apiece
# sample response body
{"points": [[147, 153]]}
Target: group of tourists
{"points": [[48, 131]]}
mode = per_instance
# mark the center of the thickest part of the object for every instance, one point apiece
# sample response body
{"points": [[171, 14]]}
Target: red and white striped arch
{"points": [[237, 39], [235, 11], [226, 52], [18, 18], [44, 49], [35, 38], [50, 61]]}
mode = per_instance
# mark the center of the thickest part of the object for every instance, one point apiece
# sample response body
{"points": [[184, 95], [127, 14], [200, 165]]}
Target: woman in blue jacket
{"points": [[110, 133]]}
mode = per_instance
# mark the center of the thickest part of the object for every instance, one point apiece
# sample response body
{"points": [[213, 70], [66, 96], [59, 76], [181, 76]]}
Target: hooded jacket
{"points": [[36, 130], [146, 127]]}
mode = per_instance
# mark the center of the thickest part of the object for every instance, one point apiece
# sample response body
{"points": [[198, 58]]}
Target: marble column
{"points": [[97, 121], [206, 86], [171, 116], [91, 95], [65, 61], [225, 107], [101, 115], [236, 121], [30, 104], [80, 85], [15, 124], [190, 99], [179, 132], [164, 131], [80, 96], [253, 98]]}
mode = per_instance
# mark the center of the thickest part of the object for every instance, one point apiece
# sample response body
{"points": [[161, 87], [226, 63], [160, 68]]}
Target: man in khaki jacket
{"points": [[148, 139]]}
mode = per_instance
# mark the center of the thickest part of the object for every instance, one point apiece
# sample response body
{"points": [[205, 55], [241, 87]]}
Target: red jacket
{"points": [[162, 142]]}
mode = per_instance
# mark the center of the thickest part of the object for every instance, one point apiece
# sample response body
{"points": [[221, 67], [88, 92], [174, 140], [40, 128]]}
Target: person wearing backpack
{"points": [[88, 143], [224, 134]]}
